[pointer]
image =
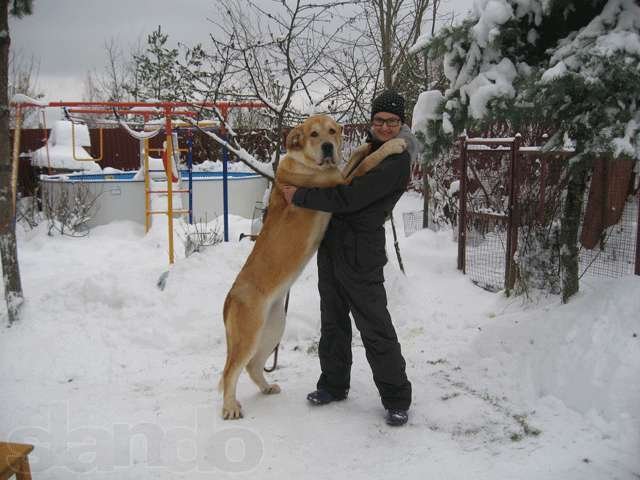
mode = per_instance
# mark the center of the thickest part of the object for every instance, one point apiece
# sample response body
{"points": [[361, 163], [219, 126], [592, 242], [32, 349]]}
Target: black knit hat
{"points": [[388, 101]]}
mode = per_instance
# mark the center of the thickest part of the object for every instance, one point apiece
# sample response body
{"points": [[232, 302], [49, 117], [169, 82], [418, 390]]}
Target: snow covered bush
{"points": [[28, 213], [199, 235], [68, 210]]}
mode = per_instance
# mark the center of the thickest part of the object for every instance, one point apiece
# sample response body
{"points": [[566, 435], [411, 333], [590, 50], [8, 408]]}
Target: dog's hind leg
{"points": [[270, 337], [241, 345]]}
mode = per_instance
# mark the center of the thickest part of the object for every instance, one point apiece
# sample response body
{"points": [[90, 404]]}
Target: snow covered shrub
{"points": [[199, 235], [28, 213], [68, 210], [443, 192], [538, 258], [441, 186]]}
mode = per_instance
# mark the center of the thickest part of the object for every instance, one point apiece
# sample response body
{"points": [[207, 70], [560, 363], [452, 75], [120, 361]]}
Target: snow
{"points": [[495, 81], [623, 145], [25, 99], [426, 109], [209, 166], [60, 148], [491, 14], [265, 169], [156, 170], [557, 71], [112, 378], [601, 38]]}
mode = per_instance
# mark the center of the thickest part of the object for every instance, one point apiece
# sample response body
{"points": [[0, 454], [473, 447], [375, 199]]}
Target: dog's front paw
{"points": [[232, 410], [271, 389], [395, 145]]}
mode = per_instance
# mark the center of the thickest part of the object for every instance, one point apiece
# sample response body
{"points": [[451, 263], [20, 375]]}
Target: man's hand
{"points": [[288, 192]]}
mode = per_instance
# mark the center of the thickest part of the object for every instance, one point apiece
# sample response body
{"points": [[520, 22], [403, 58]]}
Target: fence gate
{"points": [[511, 200]]}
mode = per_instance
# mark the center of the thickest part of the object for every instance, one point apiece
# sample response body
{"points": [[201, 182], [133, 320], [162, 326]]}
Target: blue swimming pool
{"points": [[129, 176], [121, 196]]}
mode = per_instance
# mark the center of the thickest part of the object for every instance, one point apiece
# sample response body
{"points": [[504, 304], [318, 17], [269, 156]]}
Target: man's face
{"points": [[385, 126]]}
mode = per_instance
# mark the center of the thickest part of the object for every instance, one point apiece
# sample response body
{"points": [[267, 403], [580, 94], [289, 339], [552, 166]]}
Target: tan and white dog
{"points": [[254, 314]]}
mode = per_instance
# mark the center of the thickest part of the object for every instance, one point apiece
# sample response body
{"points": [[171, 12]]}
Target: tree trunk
{"points": [[8, 247], [571, 217], [425, 197]]}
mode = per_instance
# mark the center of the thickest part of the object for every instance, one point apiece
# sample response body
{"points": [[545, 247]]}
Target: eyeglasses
{"points": [[390, 122]]}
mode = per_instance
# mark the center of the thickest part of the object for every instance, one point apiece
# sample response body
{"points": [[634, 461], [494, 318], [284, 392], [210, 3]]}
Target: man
{"points": [[351, 258]]}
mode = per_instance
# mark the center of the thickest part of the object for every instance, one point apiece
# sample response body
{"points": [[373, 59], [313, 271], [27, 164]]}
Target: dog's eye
{"points": [[332, 131], [314, 134]]}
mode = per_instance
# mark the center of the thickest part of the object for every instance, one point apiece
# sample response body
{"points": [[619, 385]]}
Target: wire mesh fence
{"points": [[510, 212], [614, 255], [486, 250], [412, 222]]}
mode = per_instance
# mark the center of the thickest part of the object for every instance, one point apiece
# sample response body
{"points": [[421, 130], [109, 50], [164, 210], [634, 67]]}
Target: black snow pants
{"points": [[350, 279]]}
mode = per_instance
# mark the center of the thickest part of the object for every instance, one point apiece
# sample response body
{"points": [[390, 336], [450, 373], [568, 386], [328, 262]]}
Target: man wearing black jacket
{"points": [[351, 258]]}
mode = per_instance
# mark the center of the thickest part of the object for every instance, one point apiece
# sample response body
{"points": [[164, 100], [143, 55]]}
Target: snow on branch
{"points": [[262, 168], [24, 99]]}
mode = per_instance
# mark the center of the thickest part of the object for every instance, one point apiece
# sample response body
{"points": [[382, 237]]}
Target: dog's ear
{"points": [[295, 138]]}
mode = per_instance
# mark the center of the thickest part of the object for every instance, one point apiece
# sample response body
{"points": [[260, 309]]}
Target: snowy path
{"points": [[112, 378]]}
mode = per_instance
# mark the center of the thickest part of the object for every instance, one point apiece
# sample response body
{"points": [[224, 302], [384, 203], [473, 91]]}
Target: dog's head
{"points": [[319, 139]]}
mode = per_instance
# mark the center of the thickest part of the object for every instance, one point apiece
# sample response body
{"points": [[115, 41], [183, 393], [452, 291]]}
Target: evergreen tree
{"points": [[156, 71], [571, 65]]}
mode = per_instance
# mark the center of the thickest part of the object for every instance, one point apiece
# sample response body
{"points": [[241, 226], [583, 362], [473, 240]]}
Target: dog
{"points": [[254, 315]]}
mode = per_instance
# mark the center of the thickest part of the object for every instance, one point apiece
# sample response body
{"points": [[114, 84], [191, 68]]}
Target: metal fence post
{"points": [[513, 218], [462, 210], [637, 270]]}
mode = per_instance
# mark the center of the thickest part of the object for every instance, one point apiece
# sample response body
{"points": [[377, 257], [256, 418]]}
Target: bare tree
{"points": [[116, 73], [118, 76], [23, 78], [279, 49], [8, 247], [375, 54]]}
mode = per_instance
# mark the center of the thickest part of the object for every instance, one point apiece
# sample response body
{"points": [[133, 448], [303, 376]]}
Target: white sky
{"points": [[67, 37]]}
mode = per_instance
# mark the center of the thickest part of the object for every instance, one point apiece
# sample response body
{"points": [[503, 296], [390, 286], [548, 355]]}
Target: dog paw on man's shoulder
{"points": [[395, 145]]}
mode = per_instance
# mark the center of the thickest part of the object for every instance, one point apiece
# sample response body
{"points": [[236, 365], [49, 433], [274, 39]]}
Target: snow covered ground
{"points": [[112, 378]]}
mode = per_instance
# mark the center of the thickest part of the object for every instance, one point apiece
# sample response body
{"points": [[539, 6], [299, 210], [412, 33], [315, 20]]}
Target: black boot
{"points": [[396, 417], [322, 397]]}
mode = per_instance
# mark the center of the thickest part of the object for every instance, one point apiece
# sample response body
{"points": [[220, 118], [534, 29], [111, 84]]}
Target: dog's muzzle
{"points": [[327, 153]]}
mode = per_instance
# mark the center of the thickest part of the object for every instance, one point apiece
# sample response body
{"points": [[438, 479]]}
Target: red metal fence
{"points": [[510, 206]]}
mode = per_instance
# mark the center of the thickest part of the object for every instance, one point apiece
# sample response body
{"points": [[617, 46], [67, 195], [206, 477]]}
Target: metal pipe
{"points": [[225, 191], [512, 226], [168, 155], [190, 170], [15, 160], [147, 199], [73, 146], [462, 209], [46, 141], [160, 105], [225, 179]]}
